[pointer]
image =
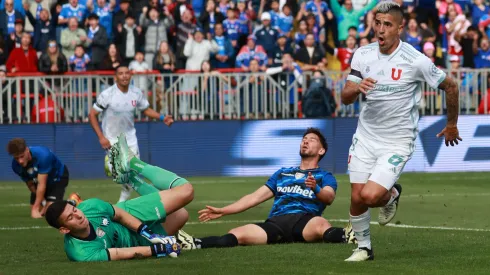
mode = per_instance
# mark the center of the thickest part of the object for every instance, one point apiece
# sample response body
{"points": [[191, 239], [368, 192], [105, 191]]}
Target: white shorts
{"points": [[371, 160]]}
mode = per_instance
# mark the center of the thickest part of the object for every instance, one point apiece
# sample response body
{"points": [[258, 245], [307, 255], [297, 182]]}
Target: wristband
{"points": [[162, 117], [144, 231], [317, 189], [158, 250]]}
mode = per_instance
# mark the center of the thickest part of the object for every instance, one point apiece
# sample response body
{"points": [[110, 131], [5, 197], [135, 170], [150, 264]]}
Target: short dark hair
{"points": [[120, 66], [390, 7], [352, 28], [321, 137], [93, 16], [16, 146], [54, 212]]}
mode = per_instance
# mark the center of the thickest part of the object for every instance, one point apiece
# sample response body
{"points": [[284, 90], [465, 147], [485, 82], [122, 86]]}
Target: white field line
{"points": [[256, 221], [230, 180], [342, 198]]}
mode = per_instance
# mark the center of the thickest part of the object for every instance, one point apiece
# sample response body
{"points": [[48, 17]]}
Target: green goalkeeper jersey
{"points": [[104, 234]]}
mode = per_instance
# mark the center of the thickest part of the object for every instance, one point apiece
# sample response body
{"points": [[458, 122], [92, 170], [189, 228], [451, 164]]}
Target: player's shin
{"points": [[228, 240], [140, 185], [360, 226], [160, 178]]}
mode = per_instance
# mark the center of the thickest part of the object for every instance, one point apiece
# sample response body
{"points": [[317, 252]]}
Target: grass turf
{"points": [[455, 201]]}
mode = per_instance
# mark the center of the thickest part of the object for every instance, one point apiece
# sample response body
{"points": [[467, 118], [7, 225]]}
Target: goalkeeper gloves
{"points": [[162, 245], [162, 250]]}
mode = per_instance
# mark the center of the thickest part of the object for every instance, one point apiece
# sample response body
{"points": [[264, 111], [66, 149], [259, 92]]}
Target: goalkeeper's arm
{"points": [[259, 196], [128, 253]]}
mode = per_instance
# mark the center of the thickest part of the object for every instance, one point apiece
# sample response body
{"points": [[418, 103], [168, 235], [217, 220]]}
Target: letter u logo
{"points": [[399, 71]]}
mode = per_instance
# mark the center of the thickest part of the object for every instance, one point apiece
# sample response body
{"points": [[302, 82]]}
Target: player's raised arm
{"points": [[259, 196], [355, 83]]}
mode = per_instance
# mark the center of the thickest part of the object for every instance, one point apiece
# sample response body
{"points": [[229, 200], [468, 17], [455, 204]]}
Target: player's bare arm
{"points": [[42, 180], [92, 117], [149, 112], [246, 202], [129, 253], [352, 89], [450, 132], [325, 195]]}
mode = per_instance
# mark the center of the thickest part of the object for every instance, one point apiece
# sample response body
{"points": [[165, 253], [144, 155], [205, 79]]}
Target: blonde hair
{"points": [[53, 56]]}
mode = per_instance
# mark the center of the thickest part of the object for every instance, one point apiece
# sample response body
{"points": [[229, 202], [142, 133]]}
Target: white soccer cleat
{"points": [[388, 212], [186, 241], [361, 254], [125, 154]]}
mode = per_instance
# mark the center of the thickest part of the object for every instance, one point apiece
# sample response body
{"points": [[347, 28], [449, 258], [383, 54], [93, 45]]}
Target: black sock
{"points": [[334, 235], [228, 240]]}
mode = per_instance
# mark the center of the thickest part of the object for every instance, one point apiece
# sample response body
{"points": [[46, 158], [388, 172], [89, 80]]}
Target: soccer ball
{"points": [[107, 166]]}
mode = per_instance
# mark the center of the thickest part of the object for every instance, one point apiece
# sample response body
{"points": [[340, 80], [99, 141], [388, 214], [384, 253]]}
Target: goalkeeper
{"points": [[142, 227]]}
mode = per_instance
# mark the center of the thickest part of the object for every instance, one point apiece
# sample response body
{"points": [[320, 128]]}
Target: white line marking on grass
{"points": [[256, 221]]}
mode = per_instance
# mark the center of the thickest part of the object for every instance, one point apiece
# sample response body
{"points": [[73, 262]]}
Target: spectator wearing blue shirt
{"points": [[105, 12], [209, 18], [18, 6], [72, 9], [42, 171], [285, 21], [482, 56], [8, 16], [478, 9], [412, 35], [224, 57], [232, 27], [44, 29], [80, 60], [318, 7], [249, 52], [266, 35]]}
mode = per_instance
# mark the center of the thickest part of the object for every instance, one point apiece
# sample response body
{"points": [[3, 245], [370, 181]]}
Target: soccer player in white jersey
{"points": [[118, 104], [390, 73]]}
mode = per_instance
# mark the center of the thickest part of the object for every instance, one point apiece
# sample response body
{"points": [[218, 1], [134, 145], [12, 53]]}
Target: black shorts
{"points": [[286, 228], [55, 191]]}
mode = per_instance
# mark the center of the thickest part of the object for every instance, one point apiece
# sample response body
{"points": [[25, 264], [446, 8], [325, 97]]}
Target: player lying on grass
{"points": [[142, 227], [300, 196], [42, 171]]}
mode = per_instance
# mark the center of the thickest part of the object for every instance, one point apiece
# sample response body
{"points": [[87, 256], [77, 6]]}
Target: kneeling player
{"points": [[98, 231], [300, 196], [42, 171]]}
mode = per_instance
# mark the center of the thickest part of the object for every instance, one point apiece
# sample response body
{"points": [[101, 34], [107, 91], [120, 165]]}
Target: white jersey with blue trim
{"points": [[390, 114], [118, 112]]}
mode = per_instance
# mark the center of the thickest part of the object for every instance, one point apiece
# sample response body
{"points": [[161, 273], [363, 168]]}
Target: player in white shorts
{"points": [[390, 73], [118, 105]]}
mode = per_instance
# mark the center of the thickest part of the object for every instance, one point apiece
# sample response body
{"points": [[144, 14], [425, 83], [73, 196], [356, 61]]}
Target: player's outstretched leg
{"points": [[388, 212], [319, 229]]}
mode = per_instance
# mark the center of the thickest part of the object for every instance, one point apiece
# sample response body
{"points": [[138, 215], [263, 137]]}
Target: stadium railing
{"points": [[227, 94]]}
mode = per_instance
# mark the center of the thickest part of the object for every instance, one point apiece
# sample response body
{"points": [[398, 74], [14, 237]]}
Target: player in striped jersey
{"points": [[390, 74], [118, 105], [300, 196]]}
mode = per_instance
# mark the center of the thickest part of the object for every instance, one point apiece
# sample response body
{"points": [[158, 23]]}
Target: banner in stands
{"points": [[248, 148]]}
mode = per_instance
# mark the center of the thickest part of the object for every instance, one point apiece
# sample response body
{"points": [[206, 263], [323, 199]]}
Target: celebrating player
{"points": [[118, 104], [300, 196], [137, 228], [43, 172], [389, 72]]}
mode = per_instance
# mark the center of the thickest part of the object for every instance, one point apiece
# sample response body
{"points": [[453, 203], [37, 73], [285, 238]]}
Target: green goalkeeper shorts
{"points": [[148, 209]]}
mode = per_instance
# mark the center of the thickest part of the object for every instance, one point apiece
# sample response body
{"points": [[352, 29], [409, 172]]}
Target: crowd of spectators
{"points": [[54, 37]]}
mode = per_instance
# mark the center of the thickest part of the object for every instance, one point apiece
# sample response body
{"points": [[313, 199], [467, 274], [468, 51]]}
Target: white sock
{"points": [[394, 195], [360, 226], [125, 193]]}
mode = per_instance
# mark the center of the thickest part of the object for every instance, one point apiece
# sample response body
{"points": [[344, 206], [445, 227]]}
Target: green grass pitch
{"points": [[442, 227]]}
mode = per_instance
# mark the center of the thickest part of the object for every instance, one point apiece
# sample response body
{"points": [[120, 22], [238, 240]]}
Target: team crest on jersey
{"points": [[99, 232], [434, 70], [396, 73], [299, 175], [105, 222], [368, 69], [133, 102]]}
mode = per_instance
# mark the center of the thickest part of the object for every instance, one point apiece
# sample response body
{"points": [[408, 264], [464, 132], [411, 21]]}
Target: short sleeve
{"points": [[63, 13], [428, 72], [102, 101], [355, 68], [272, 181], [329, 180], [142, 103]]}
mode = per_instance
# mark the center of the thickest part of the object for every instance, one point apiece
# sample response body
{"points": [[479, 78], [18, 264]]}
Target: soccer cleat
{"points": [[388, 212], [186, 241], [125, 154], [361, 254], [349, 234], [118, 175], [74, 199]]}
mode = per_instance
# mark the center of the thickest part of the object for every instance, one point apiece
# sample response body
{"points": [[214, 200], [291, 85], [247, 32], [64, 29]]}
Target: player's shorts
{"points": [[286, 228], [55, 191], [376, 161], [148, 209]]}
